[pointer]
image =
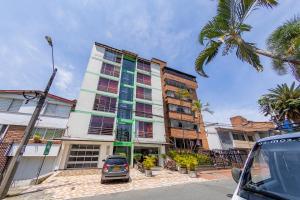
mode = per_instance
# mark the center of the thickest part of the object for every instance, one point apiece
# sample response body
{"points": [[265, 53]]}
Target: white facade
{"points": [[15, 111], [80, 120]]}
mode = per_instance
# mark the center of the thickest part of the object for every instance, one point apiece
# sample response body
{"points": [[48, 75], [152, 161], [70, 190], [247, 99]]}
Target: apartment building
{"points": [[184, 125], [242, 134], [119, 110], [15, 113]]}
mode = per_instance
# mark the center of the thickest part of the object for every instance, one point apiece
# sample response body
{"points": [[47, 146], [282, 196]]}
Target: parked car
{"points": [[272, 170], [115, 167]]}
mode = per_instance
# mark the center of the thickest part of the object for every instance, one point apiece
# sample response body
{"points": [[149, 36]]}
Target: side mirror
{"points": [[236, 174], [103, 160]]}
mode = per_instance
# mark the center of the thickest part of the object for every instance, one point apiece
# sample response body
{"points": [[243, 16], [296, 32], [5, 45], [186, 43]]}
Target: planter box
{"points": [[193, 174], [183, 170], [148, 173]]}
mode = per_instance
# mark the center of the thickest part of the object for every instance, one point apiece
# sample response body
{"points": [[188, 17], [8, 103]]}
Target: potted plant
{"points": [[37, 138], [148, 164], [182, 165], [191, 163]]}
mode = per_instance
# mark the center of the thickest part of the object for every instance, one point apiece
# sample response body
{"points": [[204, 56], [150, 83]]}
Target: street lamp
{"points": [[49, 40]]}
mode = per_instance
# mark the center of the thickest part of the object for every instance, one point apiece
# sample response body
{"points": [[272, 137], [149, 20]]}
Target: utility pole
{"points": [[12, 167]]}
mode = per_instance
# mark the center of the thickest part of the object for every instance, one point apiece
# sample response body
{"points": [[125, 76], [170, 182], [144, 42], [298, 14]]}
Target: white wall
{"points": [[213, 138], [33, 150]]}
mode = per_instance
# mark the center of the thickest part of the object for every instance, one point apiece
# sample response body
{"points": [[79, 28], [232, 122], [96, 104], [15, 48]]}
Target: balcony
{"points": [[175, 101], [240, 144], [187, 134], [181, 116]]}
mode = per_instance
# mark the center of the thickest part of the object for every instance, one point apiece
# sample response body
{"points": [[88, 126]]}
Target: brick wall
{"points": [[14, 133]]}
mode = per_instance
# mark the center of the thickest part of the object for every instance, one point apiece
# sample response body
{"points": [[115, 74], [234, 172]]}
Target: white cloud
{"points": [[64, 78]]}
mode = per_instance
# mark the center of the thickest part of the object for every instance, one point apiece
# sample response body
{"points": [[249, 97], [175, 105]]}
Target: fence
{"points": [[4, 158], [227, 158]]}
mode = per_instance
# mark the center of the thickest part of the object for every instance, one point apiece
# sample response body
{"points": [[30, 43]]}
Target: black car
{"points": [[115, 167]]}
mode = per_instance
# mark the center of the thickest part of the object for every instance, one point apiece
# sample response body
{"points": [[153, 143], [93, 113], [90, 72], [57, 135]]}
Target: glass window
{"points": [[110, 69], [173, 94], [237, 136], [144, 93], [144, 65], [3, 128], [126, 93], [143, 110], [128, 65], [107, 85], [48, 133], [180, 109], [101, 125], [57, 110], [10, 105], [144, 79], [116, 161], [145, 130], [127, 78], [125, 111], [104, 103], [112, 56], [124, 132], [183, 124], [175, 83]]}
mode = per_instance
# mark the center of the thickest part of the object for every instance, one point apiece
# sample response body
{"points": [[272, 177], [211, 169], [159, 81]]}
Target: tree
{"points": [[282, 101], [285, 40], [226, 30], [182, 94], [198, 108]]}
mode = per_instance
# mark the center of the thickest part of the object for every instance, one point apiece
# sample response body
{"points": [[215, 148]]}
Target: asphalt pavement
{"points": [[208, 190]]}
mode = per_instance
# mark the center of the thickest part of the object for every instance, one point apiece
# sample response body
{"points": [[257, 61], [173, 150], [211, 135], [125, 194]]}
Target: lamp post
{"points": [[13, 165]]}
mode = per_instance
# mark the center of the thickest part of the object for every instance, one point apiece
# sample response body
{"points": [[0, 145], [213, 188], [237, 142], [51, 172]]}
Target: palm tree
{"points": [[226, 30], [285, 40], [282, 102], [182, 94], [198, 108]]}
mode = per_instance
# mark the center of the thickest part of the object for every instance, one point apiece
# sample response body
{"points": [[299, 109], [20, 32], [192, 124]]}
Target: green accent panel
{"points": [[100, 92], [130, 72], [128, 57], [126, 121], [97, 113], [126, 85], [123, 144], [124, 101]]}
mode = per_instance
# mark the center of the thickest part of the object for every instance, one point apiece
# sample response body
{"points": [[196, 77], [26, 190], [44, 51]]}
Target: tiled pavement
{"points": [[82, 183]]}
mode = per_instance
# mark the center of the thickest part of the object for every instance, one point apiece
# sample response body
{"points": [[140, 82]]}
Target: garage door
{"points": [[83, 156]]}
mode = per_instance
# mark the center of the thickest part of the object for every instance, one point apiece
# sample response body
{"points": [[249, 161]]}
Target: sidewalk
{"points": [[70, 184]]}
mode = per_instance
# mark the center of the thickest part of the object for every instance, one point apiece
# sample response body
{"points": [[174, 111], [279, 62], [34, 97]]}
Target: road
{"points": [[209, 190]]}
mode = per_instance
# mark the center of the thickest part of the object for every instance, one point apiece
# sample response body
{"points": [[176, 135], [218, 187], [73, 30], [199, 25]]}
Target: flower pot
{"points": [[192, 174], [148, 172], [183, 170], [177, 167]]}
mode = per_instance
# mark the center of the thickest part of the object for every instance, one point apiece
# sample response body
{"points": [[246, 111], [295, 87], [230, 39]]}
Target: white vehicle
{"points": [[272, 170]]}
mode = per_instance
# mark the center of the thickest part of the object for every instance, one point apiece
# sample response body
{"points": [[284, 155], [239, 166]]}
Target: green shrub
{"points": [[137, 157], [164, 156], [149, 162], [172, 154], [37, 137], [191, 162], [203, 159], [180, 159]]}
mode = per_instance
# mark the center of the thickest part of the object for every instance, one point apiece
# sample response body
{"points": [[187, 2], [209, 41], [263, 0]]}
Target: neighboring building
{"points": [[15, 113], [242, 134], [119, 110], [182, 124]]}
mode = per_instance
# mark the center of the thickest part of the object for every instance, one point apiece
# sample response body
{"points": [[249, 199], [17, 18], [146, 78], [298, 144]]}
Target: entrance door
{"points": [[83, 156]]}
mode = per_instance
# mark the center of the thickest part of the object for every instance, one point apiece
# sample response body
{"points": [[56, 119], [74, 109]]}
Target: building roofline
{"points": [[108, 47], [180, 72], [39, 91]]}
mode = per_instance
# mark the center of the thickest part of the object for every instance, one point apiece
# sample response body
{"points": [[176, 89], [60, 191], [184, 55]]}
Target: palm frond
{"points": [[206, 56], [279, 66], [211, 30]]}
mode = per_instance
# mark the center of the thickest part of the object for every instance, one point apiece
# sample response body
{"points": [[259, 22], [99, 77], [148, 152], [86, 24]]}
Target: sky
{"points": [[167, 30]]}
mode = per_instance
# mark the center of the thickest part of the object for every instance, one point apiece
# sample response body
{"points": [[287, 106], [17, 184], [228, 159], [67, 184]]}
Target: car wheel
{"points": [[126, 180], [103, 181]]}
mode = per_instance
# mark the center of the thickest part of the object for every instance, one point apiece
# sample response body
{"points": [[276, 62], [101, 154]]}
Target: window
{"points": [[144, 79], [128, 65], [106, 104], [183, 124], [144, 93], [125, 111], [144, 65], [110, 69], [107, 85], [251, 138], [101, 125], [143, 110], [173, 94], [3, 128], [127, 78], [48, 133], [180, 109], [237, 136], [126, 93], [57, 110], [112, 56], [124, 132], [10, 105], [145, 130], [83, 156], [175, 83]]}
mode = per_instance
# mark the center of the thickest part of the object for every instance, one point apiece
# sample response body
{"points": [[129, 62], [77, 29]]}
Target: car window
{"points": [[260, 170], [116, 161]]}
